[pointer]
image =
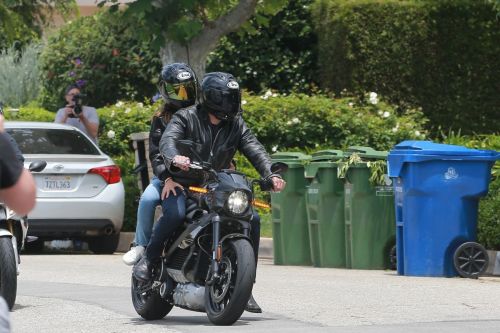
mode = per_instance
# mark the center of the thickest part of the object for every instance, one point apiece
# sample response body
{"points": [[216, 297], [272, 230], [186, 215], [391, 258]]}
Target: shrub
{"points": [[440, 55], [289, 61], [489, 217], [30, 112], [19, 75], [313, 122], [101, 54], [120, 120]]}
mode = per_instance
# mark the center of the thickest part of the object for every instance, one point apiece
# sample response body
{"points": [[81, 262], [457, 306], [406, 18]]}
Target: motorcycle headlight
{"points": [[237, 202]]}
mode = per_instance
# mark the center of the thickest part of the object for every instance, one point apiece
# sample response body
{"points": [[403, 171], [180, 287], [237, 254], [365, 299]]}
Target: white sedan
{"points": [[80, 193]]}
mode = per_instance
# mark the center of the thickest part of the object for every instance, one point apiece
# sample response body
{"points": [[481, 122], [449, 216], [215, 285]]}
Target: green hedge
{"points": [[440, 55], [279, 54], [312, 122], [101, 54]]}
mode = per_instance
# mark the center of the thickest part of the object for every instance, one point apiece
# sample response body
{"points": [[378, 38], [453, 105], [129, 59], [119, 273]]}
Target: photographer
{"points": [[76, 114]]}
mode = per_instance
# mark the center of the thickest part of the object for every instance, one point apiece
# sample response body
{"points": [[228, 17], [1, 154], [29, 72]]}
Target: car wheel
{"points": [[104, 244]]}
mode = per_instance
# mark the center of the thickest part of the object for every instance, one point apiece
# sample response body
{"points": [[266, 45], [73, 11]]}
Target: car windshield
{"points": [[52, 141]]}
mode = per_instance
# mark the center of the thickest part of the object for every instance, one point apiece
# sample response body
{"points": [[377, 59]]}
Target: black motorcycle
{"points": [[208, 265]]}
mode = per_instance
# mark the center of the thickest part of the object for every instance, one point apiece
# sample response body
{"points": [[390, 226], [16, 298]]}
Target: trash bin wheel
{"points": [[393, 258], [470, 260]]}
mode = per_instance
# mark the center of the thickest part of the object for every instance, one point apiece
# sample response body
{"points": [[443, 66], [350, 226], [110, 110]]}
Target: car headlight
{"points": [[237, 202]]}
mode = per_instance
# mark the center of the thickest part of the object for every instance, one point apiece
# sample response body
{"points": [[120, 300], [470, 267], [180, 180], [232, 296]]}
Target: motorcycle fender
{"points": [[234, 236], [5, 233]]}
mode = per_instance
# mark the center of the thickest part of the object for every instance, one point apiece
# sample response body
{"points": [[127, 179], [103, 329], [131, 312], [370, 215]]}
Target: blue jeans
{"points": [[175, 205], [150, 198]]}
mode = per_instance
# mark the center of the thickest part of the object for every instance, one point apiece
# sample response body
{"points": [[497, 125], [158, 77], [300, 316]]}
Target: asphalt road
{"points": [[89, 293]]}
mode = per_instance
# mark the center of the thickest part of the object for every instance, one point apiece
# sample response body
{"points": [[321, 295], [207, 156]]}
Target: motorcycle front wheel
{"points": [[148, 303], [226, 299], [8, 271]]}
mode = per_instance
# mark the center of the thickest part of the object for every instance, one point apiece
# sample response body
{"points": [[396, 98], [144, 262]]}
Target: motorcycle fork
{"points": [[216, 250], [10, 226]]}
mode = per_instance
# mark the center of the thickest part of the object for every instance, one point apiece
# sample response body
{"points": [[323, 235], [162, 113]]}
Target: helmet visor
{"points": [[224, 104], [180, 91]]}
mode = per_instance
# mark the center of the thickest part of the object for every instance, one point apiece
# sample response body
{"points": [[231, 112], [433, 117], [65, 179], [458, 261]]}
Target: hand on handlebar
{"points": [[278, 184], [182, 162]]}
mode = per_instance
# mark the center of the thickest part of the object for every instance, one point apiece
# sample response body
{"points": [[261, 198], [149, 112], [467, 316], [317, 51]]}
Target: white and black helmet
{"points": [[221, 95], [178, 85]]}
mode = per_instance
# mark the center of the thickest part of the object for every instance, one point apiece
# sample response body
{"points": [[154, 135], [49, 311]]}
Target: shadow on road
{"points": [[200, 319]]}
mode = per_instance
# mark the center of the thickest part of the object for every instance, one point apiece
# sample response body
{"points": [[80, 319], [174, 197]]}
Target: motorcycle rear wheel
{"points": [[149, 305], [8, 271], [226, 299]]}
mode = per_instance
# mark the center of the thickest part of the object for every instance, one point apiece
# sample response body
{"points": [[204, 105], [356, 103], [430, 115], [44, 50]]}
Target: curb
{"points": [[265, 246], [126, 238]]}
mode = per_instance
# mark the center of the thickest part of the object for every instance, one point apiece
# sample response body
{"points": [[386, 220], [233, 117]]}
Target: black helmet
{"points": [[220, 95], [178, 85]]}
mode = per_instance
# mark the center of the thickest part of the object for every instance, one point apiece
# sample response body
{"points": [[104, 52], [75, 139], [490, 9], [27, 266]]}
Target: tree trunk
{"points": [[195, 53], [196, 57]]}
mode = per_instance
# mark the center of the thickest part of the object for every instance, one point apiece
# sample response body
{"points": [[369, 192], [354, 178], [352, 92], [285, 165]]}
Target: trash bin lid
{"points": [[419, 151], [327, 155], [414, 147], [366, 153], [291, 158], [290, 155]]}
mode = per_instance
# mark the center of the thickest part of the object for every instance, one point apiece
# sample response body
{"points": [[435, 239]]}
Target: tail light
{"points": [[111, 173]]}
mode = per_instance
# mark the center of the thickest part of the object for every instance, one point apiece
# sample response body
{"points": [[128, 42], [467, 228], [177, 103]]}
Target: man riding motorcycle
{"points": [[217, 129]]}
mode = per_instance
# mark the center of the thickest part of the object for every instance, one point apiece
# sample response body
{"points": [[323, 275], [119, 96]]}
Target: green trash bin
{"points": [[325, 210], [370, 225], [289, 216]]}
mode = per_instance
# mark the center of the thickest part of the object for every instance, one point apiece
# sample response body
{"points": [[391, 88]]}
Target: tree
{"points": [[23, 20], [188, 30]]}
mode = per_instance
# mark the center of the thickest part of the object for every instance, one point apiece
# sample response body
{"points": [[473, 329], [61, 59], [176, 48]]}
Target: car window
{"points": [[52, 141]]}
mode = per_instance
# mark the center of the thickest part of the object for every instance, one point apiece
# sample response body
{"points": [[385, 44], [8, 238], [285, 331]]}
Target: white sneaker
{"points": [[133, 255]]}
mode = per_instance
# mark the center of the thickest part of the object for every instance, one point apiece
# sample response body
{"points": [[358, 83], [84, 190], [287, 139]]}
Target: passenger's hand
{"points": [[169, 187], [182, 162], [278, 184]]}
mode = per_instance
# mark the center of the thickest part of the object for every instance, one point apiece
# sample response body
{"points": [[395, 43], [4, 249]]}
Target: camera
{"points": [[78, 106]]}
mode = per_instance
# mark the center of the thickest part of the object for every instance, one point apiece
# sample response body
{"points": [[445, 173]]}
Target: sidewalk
{"points": [[266, 251]]}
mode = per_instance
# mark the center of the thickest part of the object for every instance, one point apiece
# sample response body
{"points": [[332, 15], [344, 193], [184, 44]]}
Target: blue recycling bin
{"points": [[437, 189]]}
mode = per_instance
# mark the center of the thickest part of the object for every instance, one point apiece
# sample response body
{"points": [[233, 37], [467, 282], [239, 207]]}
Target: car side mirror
{"points": [[279, 167], [37, 166]]}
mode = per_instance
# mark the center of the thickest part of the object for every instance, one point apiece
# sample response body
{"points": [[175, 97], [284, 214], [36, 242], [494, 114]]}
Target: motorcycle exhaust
{"points": [[108, 230]]}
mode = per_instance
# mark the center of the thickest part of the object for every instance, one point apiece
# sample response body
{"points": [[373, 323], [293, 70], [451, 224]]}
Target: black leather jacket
{"points": [[191, 125], [158, 126]]}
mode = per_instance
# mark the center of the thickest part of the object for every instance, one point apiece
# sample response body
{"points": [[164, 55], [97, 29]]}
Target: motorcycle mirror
{"points": [[37, 166], [279, 167]]}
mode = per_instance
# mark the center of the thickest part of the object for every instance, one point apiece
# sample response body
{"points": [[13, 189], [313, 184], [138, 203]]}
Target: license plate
{"points": [[57, 183]]}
